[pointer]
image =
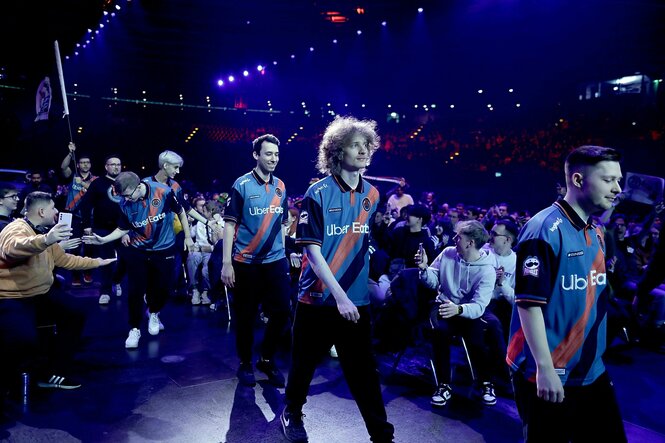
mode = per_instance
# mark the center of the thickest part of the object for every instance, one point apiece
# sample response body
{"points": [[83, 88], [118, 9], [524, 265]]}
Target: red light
{"points": [[360, 11]]}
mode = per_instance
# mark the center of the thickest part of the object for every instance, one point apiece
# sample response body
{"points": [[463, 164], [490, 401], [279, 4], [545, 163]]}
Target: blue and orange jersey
{"points": [[150, 221], [561, 268], [77, 190], [337, 218], [258, 208], [177, 190]]}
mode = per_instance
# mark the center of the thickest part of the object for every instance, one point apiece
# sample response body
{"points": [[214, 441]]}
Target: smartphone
{"points": [[421, 249], [65, 218]]}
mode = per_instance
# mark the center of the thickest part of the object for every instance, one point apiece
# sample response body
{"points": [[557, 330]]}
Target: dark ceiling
{"points": [[173, 47]]}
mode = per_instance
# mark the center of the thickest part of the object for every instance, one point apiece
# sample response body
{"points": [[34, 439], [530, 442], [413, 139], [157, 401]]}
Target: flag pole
{"points": [[61, 76]]}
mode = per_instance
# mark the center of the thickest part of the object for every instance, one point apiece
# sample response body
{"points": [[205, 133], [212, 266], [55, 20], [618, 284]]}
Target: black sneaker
{"points": [[274, 376], [293, 427], [487, 394], [58, 382], [246, 375]]}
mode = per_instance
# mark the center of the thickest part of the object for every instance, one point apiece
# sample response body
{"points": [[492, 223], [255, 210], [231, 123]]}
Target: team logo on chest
{"points": [[155, 202], [278, 192], [367, 204]]}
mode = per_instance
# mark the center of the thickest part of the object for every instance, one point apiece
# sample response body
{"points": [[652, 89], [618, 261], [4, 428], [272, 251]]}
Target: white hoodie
{"points": [[469, 284]]}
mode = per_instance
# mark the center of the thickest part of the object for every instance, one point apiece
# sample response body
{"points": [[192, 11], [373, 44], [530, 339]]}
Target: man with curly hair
{"points": [[333, 299]]}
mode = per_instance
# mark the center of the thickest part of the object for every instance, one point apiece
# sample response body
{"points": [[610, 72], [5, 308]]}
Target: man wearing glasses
{"points": [[101, 214], [81, 180], [8, 203], [148, 209]]}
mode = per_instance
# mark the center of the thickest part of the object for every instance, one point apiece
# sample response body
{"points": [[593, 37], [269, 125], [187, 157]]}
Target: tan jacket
{"points": [[26, 263]]}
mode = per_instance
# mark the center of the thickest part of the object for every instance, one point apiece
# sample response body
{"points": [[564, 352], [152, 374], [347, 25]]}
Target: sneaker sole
{"points": [[438, 404]]}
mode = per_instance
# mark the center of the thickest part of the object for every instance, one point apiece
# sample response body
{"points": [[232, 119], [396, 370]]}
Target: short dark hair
{"points": [[589, 155], [109, 157], [6, 188], [511, 227], [258, 141], [37, 197]]}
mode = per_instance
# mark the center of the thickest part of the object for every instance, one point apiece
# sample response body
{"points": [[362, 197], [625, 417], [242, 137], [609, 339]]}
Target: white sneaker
{"points": [[204, 298], [117, 290], [154, 325], [196, 297], [133, 339], [104, 299], [333, 352]]}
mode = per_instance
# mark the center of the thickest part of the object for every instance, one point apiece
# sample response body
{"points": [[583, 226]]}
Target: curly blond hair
{"points": [[338, 133]]}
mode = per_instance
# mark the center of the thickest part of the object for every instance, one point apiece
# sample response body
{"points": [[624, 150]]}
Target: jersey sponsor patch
{"points": [[304, 218], [254, 196], [334, 209], [531, 266], [575, 253]]}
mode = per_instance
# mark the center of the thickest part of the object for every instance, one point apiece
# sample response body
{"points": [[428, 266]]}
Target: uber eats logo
{"points": [[356, 228], [577, 282], [255, 210]]}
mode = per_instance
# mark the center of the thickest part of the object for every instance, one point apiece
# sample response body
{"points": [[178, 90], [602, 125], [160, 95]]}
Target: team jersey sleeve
{"points": [[234, 204], [173, 203], [310, 224], [535, 272]]}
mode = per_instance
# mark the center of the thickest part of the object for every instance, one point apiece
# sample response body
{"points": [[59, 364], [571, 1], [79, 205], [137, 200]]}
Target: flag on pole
{"points": [[43, 99], [58, 62]]}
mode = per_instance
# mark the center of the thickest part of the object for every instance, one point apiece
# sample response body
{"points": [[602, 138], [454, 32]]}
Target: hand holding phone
{"points": [[65, 218]]}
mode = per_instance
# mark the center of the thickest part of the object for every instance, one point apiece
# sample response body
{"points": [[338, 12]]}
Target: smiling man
{"points": [[254, 259], [333, 299], [558, 329]]}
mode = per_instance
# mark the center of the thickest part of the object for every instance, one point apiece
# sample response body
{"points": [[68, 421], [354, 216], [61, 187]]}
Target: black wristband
{"points": [[460, 309]]}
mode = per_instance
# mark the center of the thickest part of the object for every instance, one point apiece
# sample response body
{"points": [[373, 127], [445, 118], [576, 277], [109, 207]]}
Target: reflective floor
{"points": [[180, 386]]}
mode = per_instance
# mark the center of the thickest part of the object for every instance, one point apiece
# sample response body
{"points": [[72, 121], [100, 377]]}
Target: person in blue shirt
{"points": [[333, 300], [254, 264], [558, 331], [148, 208]]}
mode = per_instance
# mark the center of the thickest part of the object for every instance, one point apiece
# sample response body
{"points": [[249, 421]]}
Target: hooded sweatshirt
{"points": [[469, 284]]}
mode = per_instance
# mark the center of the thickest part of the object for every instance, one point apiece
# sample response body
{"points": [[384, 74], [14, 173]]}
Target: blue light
{"points": [[259, 68], [420, 10], [231, 78], [220, 82]]}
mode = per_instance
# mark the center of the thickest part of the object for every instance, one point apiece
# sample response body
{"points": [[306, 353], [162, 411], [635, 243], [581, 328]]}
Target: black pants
{"points": [[587, 413], [473, 331], [149, 273], [268, 285], [315, 330], [21, 346]]}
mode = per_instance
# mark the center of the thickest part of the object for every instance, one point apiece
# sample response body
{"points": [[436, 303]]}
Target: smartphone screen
{"points": [[66, 218]]}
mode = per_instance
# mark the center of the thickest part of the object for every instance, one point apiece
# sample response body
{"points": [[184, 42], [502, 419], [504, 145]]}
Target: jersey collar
{"points": [[572, 216], [260, 180], [345, 187]]}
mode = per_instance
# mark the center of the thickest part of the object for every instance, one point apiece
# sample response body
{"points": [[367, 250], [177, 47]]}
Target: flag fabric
{"points": [[43, 99]]}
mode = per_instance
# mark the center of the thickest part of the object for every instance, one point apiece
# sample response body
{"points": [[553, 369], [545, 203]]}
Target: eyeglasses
{"points": [[131, 194], [14, 196], [494, 234]]}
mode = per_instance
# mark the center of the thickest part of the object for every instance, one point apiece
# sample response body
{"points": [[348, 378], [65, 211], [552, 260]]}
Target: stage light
{"points": [[452, 106], [259, 68], [293, 56], [231, 78], [245, 73], [518, 105], [311, 49], [480, 91], [359, 32], [384, 23], [511, 90], [420, 10], [335, 41], [220, 82]]}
